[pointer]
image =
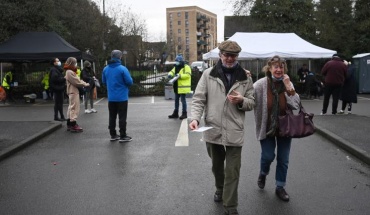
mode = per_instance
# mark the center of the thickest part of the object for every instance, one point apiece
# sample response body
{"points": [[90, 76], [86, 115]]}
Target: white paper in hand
{"points": [[201, 129]]}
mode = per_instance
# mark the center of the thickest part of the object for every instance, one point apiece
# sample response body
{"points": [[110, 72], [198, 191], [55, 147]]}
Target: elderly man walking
{"points": [[223, 94]]}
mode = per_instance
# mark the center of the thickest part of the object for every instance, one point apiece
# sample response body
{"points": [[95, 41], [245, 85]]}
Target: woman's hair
{"points": [[53, 60], [71, 61], [273, 60]]}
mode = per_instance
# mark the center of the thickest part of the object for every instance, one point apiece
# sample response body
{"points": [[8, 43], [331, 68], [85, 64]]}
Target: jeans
{"points": [[226, 173], [89, 94], [268, 146], [120, 109], [328, 91], [183, 101]]}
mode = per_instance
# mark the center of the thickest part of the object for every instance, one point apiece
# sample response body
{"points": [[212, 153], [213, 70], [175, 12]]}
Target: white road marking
{"points": [[183, 138], [152, 99], [99, 101]]}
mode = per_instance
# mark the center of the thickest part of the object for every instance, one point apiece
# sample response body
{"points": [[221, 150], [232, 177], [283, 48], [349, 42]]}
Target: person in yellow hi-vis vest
{"points": [[7, 85], [46, 85], [81, 90], [181, 86]]}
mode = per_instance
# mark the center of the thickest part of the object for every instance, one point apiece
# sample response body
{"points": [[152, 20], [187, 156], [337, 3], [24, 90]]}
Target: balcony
{"points": [[201, 42]]}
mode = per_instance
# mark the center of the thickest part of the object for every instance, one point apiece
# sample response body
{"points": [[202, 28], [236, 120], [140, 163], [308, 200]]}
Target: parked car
{"points": [[201, 65]]}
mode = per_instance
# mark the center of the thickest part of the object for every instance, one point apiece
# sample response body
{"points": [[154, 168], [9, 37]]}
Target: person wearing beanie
{"points": [[88, 76], [223, 94], [334, 73], [118, 80], [181, 86], [73, 83], [57, 85]]}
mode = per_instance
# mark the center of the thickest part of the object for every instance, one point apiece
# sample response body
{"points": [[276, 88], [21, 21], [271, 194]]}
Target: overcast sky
{"points": [[154, 12]]}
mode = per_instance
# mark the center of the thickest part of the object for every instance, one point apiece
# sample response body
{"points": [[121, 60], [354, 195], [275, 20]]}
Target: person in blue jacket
{"points": [[118, 80]]}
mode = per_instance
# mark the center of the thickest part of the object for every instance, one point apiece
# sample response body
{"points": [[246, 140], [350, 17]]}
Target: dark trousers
{"points": [[120, 109], [58, 104], [331, 91], [344, 104], [226, 173]]}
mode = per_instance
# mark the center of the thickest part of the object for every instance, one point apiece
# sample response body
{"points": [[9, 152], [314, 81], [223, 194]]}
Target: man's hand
{"points": [[193, 124], [235, 97]]}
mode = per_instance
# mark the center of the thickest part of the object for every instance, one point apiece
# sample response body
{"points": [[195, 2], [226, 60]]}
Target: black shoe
{"points": [[184, 115], [125, 139], [175, 114], [282, 194], [233, 211], [261, 181], [114, 137], [218, 196], [57, 119]]}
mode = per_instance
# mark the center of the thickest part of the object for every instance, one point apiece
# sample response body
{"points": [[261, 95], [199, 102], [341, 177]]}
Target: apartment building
{"points": [[191, 31]]}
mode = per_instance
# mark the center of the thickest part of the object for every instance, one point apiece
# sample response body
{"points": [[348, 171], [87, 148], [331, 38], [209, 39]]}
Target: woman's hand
{"points": [[288, 85]]}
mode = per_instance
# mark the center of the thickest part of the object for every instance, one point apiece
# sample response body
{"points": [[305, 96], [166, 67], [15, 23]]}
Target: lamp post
{"points": [[212, 42], [124, 56], [211, 47]]}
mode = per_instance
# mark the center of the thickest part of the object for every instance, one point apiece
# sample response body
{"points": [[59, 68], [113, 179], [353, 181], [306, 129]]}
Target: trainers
{"points": [[341, 112], [76, 128], [125, 139], [349, 112], [322, 113], [87, 111], [114, 138], [93, 110]]}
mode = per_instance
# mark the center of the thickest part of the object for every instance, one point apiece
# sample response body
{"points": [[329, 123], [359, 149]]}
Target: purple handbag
{"points": [[296, 126]]}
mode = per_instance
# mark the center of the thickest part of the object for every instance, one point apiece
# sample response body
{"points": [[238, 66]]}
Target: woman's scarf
{"points": [[70, 67], [272, 130]]}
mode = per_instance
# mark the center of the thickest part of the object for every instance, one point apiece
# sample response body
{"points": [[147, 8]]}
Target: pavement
{"points": [[350, 132]]}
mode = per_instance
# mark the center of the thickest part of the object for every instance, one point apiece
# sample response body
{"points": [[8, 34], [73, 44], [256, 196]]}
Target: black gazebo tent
{"points": [[39, 47]]}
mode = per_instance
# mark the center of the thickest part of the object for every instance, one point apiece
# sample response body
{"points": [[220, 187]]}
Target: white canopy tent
{"points": [[265, 45]]}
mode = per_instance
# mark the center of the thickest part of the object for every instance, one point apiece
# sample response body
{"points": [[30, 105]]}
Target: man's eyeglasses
{"points": [[227, 55]]}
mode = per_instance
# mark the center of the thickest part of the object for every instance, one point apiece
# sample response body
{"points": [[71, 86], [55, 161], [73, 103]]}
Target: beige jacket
{"points": [[73, 82], [226, 119]]}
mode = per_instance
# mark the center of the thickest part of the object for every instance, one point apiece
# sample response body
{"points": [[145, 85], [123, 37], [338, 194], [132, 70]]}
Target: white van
{"points": [[201, 65]]}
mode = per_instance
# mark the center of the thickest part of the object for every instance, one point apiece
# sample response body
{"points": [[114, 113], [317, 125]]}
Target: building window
{"points": [[187, 40], [179, 31], [178, 14], [179, 47], [186, 15], [170, 31], [179, 22], [179, 39], [187, 48], [186, 23]]}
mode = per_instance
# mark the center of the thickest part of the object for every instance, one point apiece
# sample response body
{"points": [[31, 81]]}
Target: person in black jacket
{"points": [[88, 76], [349, 90], [57, 85]]}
